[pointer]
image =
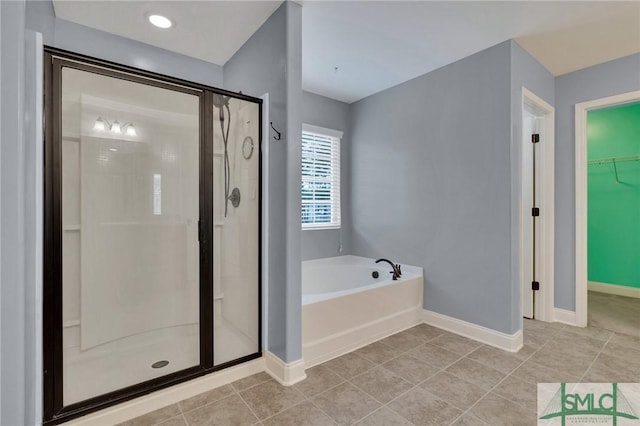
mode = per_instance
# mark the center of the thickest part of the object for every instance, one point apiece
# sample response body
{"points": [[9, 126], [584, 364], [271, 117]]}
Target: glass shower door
{"points": [[152, 233], [130, 198], [236, 206]]}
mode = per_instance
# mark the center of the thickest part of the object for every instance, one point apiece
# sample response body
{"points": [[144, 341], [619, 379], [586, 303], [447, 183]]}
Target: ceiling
{"points": [[352, 49], [376, 44], [209, 30]]}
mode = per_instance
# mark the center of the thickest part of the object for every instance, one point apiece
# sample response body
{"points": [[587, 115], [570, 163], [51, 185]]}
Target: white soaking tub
{"points": [[344, 307]]}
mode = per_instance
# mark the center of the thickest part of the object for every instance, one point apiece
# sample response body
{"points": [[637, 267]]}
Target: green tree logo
{"points": [[613, 404]]}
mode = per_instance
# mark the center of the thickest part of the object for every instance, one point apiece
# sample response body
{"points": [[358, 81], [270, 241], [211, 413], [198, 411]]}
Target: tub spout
{"points": [[397, 273]]}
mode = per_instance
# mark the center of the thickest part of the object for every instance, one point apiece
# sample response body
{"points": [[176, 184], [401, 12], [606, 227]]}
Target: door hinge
{"points": [[535, 138], [535, 211], [199, 231], [535, 285]]}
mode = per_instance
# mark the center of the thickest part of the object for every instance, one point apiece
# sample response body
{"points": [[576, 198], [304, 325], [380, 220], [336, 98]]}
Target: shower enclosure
{"points": [[152, 232]]}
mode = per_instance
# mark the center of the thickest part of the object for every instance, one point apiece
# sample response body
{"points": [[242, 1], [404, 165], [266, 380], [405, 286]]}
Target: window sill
{"points": [[320, 228]]}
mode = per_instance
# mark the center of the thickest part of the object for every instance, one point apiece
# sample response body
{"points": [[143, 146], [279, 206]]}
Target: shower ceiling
{"points": [[353, 49]]}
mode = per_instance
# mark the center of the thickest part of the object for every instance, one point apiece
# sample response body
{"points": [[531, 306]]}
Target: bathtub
{"points": [[344, 307]]}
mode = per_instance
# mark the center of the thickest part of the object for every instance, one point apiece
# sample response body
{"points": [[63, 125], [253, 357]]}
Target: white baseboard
{"points": [[286, 374], [618, 290], [507, 342], [565, 317], [156, 400], [322, 350]]}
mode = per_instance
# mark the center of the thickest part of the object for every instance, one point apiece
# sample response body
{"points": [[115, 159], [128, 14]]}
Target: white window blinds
{"points": [[320, 178]]}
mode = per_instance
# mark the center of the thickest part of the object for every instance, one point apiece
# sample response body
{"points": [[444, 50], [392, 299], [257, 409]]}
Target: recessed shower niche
{"points": [[152, 233]]}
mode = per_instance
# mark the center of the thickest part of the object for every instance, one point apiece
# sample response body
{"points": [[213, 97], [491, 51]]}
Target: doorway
{"points": [[537, 208], [152, 233], [606, 177]]}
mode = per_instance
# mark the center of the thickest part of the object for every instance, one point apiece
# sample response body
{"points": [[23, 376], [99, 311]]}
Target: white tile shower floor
{"points": [[128, 361]]}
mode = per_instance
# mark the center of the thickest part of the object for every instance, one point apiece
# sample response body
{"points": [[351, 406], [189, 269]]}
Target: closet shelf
{"points": [[614, 160]]}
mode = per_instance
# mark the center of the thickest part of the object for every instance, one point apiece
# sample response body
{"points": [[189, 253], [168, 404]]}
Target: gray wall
{"points": [[431, 184], [526, 72], [20, 376], [12, 271], [607, 79], [329, 113], [293, 140], [261, 66], [33, 224], [3, 36], [12, 312], [77, 38], [463, 252]]}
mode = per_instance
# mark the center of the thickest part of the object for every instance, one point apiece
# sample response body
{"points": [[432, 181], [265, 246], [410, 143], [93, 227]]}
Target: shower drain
{"points": [[160, 364]]}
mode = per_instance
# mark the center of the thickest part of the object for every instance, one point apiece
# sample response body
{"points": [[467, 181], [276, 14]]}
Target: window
{"points": [[320, 177]]}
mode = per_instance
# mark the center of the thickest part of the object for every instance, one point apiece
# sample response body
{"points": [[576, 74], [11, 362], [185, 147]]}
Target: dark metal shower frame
{"points": [[55, 60]]}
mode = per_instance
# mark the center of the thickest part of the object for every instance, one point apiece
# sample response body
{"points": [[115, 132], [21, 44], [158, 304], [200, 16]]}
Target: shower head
{"points": [[220, 101]]}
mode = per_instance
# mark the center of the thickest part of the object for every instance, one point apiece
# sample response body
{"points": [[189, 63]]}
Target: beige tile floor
{"points": [[617, 313], [421, 376]]}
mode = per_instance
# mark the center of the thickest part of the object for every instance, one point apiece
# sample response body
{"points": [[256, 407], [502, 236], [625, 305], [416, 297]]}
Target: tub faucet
{"points": [[397, 272]]}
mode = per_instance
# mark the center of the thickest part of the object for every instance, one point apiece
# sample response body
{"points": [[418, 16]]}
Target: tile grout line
{"points": [[245, 402], [182, 414], [304, 400], [348, 381], [387, 404], [372, 413], [407, 352], [557, 333], [553, 333], [342, 383], [390, 359], [310, 400], [417, 385], [375, 365], [252, 386], [596, 358], [424, 342], [320, 408], [385, 344], [499, 383], [207, 403], [382, 404], [468, 410]]}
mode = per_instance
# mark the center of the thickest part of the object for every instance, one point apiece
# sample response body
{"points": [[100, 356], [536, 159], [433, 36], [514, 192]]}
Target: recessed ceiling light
{"points": [[160, 21]]}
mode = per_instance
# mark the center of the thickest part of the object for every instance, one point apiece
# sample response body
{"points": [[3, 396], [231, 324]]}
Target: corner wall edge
{"points": [[286, 374]]}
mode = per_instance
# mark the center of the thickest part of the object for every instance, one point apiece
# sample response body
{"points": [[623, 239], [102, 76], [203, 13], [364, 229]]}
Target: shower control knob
{"points": [[235, 197]]}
